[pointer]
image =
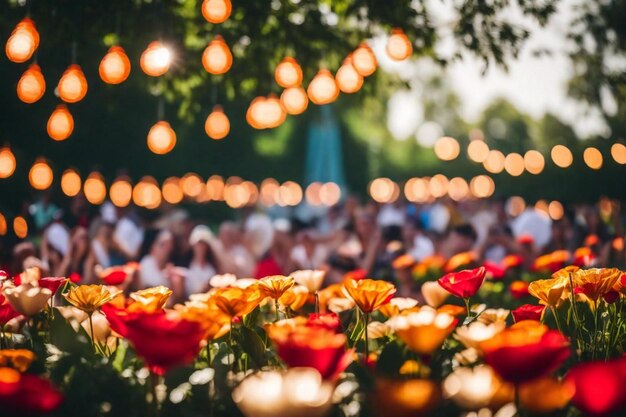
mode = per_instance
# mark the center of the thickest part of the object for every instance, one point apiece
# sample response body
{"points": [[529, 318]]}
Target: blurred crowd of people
{"points": [[380, 241]]}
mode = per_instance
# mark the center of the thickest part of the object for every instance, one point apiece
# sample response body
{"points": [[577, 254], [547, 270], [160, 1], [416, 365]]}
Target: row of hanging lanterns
{"points": [[263, 113]]}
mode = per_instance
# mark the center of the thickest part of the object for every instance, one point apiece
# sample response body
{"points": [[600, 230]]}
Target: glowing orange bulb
{"points": [[121, 192], [20, 227], [364, 60], [399, 46], [72, 85], [171, 190], [294, 100], [32, 85], [348, 79], [40, 175], [3, 225], [561, 156], [94, 188], [23, 41], [288, 73], [217, 58], [161, 138], [115, 66], [61, 123], [147, 193], [265, 113], [156, 59], [217, 124], [7, 162], [593, 158], [216, 11], [71, 183], [323, 88]]}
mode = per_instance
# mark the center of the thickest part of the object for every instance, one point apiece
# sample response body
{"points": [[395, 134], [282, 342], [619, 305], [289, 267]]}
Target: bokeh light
{"points": [[94, 188], [216, 11], [330, 194], [534, 162], [217, 58], [217, 124], [40, 175], [323, 88], [289, 194], [618, 152], [71, 183], [458, 189], [156, 59], [72, 86], [482, 186], [147, 193], [515, 205], [115, 66], [171, 190], [593, 158], [312, 194], [364, 60], [555, 210], [477, 151], [3, 225], [23, 42], [348, 78], [514, 164], [447, 148], [542, 206], [398, 46], [384, 190], [7, 162], [60, 124], [561, 156], [494, 162], [32, 85], [215, 188], [121, 192], [269, 192], [288, 73], [161, 138], [294, 100], [417, 190], [20, 227], [438, 185]]}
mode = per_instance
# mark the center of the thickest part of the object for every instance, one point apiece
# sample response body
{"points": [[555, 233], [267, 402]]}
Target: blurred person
{"points": [[498, 244], [76, 259], [43, 212], [155, 267], [55, 247], [237, 259], [460, 239], [205, 261], [259, 237], [416, 242], [308, 253], [129, 233]]}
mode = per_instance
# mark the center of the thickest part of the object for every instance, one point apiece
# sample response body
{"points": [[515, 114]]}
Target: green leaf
{"points": [[63, 336], [252, 344], [390, 359]]}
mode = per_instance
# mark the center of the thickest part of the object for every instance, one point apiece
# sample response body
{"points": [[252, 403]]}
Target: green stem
{"points": [[277, 310], [556, 319], [467, 307], [366, 350], [93, 343]]}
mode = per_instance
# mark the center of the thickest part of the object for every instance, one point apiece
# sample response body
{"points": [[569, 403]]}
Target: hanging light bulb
{"points": [[348, 79], [121, 192], [294, 100], [147, 193], [323, 88], [217, 124], [115, 66], [364, 60], [7, 162], [61, 123], [399, 46], [23, 41], [94, 188], [70, 183], [216, 11], [156, 59], [40, 175], [72, 85], [265, 113], [288, 73], [32, 85], [161, 138], [217, 58]]}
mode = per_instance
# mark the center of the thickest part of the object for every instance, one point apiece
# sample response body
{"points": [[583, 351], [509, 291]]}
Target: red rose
{"points": [[599, 387], [518, 289], [52, 283], [526, 353], [313, 347], [329, 321], [464, 283], [75, 277], [528, 312], [493, 270], [27, 395], [6, 311], [163, 340], [611, 296]]}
